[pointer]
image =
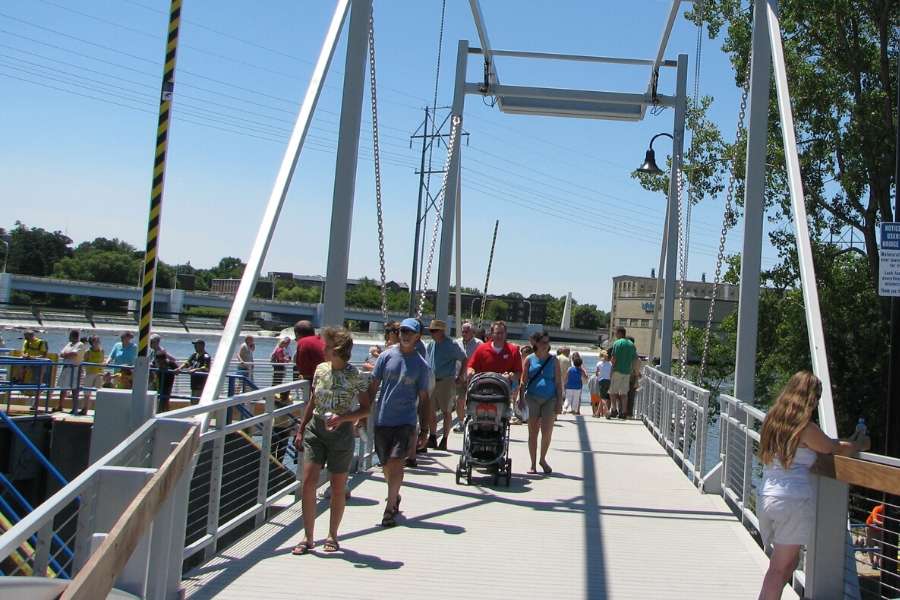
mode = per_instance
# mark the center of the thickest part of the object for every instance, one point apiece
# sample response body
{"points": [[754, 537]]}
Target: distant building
{"points": [[633, 300], [229, 287], [519, 310]]}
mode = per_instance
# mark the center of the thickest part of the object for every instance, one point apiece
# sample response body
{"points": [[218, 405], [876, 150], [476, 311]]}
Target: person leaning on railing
{"points": [[789, 443], [326, 432], [122, 356]]}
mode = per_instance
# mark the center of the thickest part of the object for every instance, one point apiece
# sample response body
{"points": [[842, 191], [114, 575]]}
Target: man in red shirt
{"points": [[497, 356], [310, 351]]}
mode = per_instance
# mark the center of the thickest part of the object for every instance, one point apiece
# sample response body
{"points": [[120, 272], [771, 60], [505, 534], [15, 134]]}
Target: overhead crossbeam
{"points": [[663, 44], [570, 103]]}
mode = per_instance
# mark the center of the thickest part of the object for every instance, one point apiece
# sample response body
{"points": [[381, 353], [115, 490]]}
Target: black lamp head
{"points": [[649, 167]]}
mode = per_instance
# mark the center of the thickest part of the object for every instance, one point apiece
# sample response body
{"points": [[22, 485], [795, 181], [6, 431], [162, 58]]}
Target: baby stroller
{"points": [[486, 429]]}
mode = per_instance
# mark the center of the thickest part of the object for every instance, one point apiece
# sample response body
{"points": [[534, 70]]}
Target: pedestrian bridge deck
{"points": [[616, 519]]}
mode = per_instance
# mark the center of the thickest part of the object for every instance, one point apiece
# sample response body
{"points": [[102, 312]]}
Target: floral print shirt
{"points": [[336, 391]]}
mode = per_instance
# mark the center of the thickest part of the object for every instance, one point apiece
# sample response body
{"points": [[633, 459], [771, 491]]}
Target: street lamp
{"points": [[5, 237], [649, 167], [528, 302]]}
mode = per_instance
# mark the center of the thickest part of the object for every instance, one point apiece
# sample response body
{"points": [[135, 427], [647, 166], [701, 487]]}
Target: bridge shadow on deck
{"points": [[595, 571]]}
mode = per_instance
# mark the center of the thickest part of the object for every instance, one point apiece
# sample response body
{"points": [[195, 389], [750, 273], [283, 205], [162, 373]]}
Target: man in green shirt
{"points": [[622, 355]]}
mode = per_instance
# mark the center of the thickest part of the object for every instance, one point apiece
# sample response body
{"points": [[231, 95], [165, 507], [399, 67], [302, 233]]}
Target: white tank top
{"points": [[793, 482]]}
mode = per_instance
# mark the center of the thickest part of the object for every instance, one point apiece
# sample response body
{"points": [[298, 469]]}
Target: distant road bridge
{"points": [[175, 301]]}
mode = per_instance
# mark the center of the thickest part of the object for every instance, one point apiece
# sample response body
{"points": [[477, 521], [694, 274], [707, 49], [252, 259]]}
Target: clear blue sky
{"points": [[79, 112]]}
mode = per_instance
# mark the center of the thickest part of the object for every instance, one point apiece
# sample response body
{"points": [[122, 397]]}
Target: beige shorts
{"points": [[93, 380], [444, 393], [785, 520], [620, 384]]}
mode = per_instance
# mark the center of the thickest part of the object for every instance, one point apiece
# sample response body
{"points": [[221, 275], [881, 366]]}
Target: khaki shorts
{"points": [[444, 394], [785, 520], [332, 449], [620, 384], [540, 408], [93, 380]]}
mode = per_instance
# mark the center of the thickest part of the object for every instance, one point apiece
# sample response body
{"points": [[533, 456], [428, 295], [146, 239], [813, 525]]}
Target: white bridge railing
{"points": [[848, 557], [677, 413], [244, 467]]}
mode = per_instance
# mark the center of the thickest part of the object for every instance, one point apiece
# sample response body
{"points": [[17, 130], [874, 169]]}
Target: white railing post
{"points": [[168, 529], [262, 491], [42, 550], [215, 485], [748, 467], [825, 555]]}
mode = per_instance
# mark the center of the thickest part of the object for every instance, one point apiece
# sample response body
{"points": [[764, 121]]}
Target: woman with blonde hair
{"points": [[789, 442]]}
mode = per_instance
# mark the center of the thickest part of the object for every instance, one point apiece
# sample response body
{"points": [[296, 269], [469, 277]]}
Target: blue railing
{"points": [[54, 472], [13, 515]]}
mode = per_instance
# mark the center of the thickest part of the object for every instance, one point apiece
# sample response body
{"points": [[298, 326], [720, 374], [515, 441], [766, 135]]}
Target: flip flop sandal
{"points": [[546, 468], [301, 549], [331, 545], [388, 519], [532, 471]]}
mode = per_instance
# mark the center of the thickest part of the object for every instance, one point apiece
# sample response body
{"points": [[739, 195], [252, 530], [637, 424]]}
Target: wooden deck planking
{"points": [[616, 519]]}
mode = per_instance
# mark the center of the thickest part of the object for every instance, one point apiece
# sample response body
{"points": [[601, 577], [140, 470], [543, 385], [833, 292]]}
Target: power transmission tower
{"points": [[434, 133]]}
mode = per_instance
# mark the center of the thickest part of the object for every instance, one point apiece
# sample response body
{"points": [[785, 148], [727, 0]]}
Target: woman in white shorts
{"points": [[789, 441]]}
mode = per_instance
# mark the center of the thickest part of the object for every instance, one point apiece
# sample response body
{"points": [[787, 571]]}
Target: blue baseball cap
{"points": [[411, 324]]}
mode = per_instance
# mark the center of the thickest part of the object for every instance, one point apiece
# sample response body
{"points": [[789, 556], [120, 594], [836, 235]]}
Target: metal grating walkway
{"points": [[616, 519]]}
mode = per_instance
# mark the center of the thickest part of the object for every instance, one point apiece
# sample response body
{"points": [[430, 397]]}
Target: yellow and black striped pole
{"points": [[148, 283]]}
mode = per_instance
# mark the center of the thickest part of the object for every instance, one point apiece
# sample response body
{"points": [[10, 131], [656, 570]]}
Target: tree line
{"points": [[38, 252], [842, 65]]}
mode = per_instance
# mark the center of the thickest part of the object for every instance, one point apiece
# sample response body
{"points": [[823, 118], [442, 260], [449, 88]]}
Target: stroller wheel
{"points": [[469, 476], [458, 474], [496, 478], [508, 472]]}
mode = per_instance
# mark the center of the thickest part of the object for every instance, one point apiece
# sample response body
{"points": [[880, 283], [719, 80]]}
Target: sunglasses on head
{"points": [[392, 330]]}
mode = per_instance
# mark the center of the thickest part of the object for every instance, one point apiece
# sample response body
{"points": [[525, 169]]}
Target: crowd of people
{"points": [[412, 382]]}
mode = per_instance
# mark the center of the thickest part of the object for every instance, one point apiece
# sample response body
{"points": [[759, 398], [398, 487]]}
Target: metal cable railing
{"points": [[677, 413]]}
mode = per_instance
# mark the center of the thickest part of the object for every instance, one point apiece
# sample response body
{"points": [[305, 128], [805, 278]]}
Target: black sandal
{"points": [[388, 519]]}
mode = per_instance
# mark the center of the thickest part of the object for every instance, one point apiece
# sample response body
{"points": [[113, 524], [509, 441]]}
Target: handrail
{"points": [[96, 578], [199, 409], [34, 449], [44, 514], [64, 548], [856, 471]]}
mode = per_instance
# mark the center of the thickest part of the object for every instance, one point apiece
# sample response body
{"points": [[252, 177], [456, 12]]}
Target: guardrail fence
{"points": [[245, 466], [676, 412]]}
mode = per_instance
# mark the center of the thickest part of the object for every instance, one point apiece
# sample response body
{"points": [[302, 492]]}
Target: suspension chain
{"points": [[487, 278], [438, 218], [377, 153], [728, 221], [682, 268]]}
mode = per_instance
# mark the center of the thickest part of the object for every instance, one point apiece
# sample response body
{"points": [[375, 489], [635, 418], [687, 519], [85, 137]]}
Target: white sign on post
{"points": [[889, 271]]}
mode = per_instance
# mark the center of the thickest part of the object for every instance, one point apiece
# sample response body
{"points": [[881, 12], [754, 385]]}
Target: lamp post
{"points": [[528, 302], [5, 239], [666, 258], [472, 307]]}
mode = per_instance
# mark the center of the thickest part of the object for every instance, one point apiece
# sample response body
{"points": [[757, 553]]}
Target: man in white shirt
{"points": [[69, 377], [468, 342]]}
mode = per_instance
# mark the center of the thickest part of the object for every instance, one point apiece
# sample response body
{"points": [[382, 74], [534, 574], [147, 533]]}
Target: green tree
{"points": [[587, 316], [106, 266], [841, 56], [228, 268], [35, 251], [497, 310]]}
